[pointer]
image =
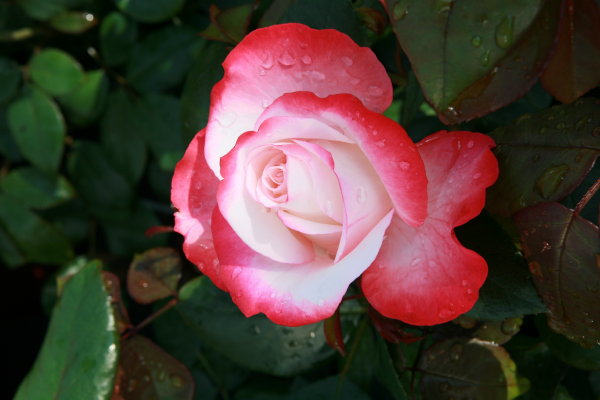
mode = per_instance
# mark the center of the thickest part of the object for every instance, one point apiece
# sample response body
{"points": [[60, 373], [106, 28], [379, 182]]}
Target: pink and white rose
{"points": [[299, 185]]}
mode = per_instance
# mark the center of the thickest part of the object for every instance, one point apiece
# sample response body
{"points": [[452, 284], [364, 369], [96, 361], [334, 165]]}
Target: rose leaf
{"points": [[574, 68], [118, 35], [78, 359], [150, 11], [55, 71], [10, 77], [563, 254], [154, 275], [86, 101], [473, 57], [556, 147], [36, 189], [73, 22]]}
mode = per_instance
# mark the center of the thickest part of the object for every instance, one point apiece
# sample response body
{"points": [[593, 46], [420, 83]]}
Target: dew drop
{"points": [[504, 32], [375, 132], [545, 247], [469, 291], [445, 313], [400, 10], [266, 61], [374, 91], [476, 41], [312, 334], [226, 119], [380, 143], [347, 61], [404, 165], [306, 59], [485, 59], [303, 45], [470, 144], [361, 195], [477, 175], [317, 76], [286, 59], [464, 283], [415, 261], [176, 380], [549, 182], [452, 111], [354, 81], [456, 351]]}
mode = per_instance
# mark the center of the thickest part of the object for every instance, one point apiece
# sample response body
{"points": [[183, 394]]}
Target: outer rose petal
{"points": [[283, 59], [385, 144], [289, 294], [194, 194], [423, 275]]}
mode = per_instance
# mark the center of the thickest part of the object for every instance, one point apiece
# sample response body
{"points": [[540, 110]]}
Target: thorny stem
{"points": [[586, 197]]}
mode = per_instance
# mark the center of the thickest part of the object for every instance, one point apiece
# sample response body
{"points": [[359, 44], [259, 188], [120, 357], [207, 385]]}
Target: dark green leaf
{"points": [[255, 343], [78, 359], [473, 369], [10, 77], [556, 147], [150, 12], [8, 146], [9, 252], [55, 71], [118, 35], [162, 59], [498, 332], [85, 102], [195, 97], [38, 127], [563, 252], [34, 188], [508, 290], [158, 376], [329, 388], [38, 240], [473, 57], [42, 9], [106, 192], [230, 25], [73, 22], [154, 275]]}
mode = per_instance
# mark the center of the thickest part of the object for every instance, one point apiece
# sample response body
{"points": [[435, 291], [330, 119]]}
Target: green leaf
{"points": [[73, 22], [150, 12], [55, 71], [159, 376], [468, 368], [38, 240], [556, 147], [78, 358], [508, 291], [36, 189], [563, 252], [473, 57], [86, 101], [195, 97], [118, 35], [255, 343], [8, 146], [42, 9], [38, 128], [574, 67], [154, 275], [9, 252], [10, 78], [329, 388], [106, 192], [162, 59]]}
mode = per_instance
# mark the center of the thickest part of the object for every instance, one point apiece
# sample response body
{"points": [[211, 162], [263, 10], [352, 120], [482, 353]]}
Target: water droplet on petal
{"points": [[306, 59], [464, 282], [361, 195], [470, 144], [445, 313], [236, 272], [504, 32], [347, 61], [477, 175], [404, 165], [374, 91], [354, 81], [266, 61], [286, 59], [303, 45], [415, 261], [226, 119], [262, 72], [380, 143]]}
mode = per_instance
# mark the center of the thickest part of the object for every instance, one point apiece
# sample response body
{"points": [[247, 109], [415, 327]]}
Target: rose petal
{"points": [[423, 275], [289, 294], [283, 59], [193, 193], [383, 142]]}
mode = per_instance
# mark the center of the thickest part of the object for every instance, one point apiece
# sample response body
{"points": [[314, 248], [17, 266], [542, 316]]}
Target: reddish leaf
{"points": [[113, 286], [333, 333], [392, 330], [544, 156], [472, 57], [147, 372], [574, 68], [154, 275], [457, 368], [563, 252]]}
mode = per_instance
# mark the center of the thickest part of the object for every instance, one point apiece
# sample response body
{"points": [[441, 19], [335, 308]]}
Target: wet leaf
{"points": [[55, 71], [254, 343], [563, 252], [73, 22], [118, 35], [38, 128], [154, 275], [10, 78], [37, 239], [150, 12], [498, 332], [507, 273], [78, 359], [148, 372], [473, 57], [574, 67], [113, 287], [459, 368], [36, 189], [556, 147]]}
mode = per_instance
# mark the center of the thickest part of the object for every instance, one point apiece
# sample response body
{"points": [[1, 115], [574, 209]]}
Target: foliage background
{"points": [[98, 100]]}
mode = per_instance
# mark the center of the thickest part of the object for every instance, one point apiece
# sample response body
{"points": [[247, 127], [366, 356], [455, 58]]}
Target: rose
{"points": [[298, 185]]}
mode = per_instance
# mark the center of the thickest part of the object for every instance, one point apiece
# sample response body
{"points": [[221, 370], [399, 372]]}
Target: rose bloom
{"points": [[299, 185]]}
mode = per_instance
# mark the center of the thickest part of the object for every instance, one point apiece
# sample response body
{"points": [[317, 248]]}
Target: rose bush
{"points": [[299, 185]]}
